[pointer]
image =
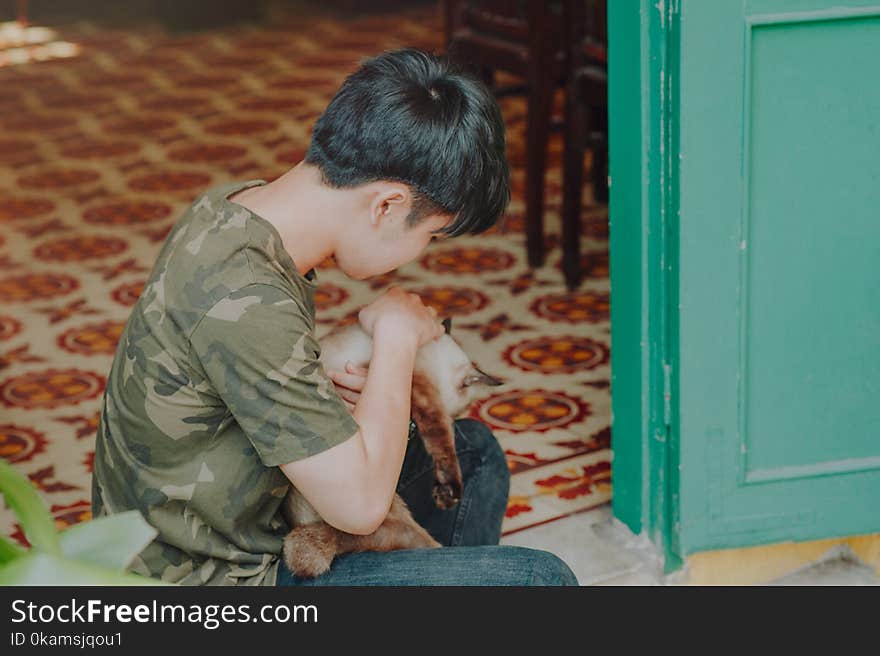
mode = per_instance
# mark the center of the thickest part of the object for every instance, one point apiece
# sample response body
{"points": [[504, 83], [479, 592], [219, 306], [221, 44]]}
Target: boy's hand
{"points": [[349, 383], [401, 315]]}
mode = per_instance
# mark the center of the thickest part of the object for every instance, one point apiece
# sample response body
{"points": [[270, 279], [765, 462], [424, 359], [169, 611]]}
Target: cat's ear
{"points": [[477, 377], [447, 325]]}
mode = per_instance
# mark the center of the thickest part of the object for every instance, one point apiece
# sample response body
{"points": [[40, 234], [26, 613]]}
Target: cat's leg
{"points": [[438, 435], [309, 550], [398, 531]]}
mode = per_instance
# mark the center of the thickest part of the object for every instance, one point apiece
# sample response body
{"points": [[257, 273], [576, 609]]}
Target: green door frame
{"points": [[643, 42]]}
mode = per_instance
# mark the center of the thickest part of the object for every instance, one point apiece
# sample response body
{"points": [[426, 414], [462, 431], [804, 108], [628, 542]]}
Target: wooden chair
{"points": [[585, 125], [524, 38]]}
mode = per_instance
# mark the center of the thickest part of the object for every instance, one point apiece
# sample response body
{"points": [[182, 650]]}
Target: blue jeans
{"points": [[469, 532]]}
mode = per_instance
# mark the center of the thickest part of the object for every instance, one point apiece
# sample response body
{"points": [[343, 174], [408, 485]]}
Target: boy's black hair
{"points": [[411, 117]]}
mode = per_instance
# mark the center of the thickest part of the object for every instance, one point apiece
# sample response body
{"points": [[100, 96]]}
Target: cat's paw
{"points": [[446, 494], [306, 554]]}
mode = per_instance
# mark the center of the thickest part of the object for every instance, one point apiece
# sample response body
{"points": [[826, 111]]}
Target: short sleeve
{"points": [[258, 352]]}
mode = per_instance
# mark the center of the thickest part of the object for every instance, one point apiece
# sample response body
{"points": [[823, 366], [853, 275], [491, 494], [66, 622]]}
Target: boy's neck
{"points": [[302, 209]]}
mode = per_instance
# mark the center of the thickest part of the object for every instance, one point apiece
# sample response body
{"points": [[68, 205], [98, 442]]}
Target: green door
{"points": [[762, 187]]}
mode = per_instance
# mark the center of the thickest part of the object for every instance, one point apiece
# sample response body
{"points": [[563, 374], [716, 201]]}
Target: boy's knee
{"points": [[550, 569]]}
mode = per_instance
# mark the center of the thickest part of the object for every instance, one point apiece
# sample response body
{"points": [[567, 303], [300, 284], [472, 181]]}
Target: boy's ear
{"points": [[389, 199]]}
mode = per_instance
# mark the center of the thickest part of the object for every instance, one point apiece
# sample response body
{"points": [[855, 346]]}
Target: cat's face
{"points": [[469, 384], [459, 380]]}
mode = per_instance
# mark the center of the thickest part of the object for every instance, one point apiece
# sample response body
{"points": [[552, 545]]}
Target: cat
{"points": [[444, 383]]}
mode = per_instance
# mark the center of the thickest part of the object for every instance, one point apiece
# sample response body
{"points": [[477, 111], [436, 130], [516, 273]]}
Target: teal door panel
{"points": [[643, 469], [776, 362]]}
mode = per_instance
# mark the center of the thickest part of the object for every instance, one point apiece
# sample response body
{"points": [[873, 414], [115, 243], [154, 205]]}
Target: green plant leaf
{"points": [[45, 569], [9, 550], [34, 517], [111, 541]]}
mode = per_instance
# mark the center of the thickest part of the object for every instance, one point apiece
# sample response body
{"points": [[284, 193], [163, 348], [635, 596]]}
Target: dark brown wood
{"points": [[524, 38], [540, 97], [547, 44], [451, 10], [585, 124]]}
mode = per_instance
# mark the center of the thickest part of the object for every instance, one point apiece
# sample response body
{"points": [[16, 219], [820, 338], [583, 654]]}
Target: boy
{"points": [[216, 402]]}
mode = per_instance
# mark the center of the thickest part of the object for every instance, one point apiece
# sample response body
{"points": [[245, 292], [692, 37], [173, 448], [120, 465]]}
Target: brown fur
{"points": [[438, 434], [310, 547], [309, 550]]}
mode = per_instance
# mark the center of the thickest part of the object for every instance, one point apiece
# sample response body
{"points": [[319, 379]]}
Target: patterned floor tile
{"points": [[99, 153]]}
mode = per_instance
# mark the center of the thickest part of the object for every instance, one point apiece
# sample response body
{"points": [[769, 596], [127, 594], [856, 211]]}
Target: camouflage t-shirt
{"points": [[215, 382]]}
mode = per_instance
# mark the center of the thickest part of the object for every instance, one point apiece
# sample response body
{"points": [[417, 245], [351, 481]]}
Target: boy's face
{"points": [[385, 245]]}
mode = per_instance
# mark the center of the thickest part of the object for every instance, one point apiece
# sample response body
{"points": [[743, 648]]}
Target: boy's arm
{"points": [[352, 485]]}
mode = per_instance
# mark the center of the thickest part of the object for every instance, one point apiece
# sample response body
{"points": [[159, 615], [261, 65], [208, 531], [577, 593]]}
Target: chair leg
{"points": [[540, 98], [599, 171], [450, 19], [575, 131], [487, 76]]}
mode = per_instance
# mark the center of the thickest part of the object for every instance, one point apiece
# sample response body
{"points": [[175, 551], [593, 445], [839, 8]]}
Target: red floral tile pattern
{"points": [[531, 410], [329, 295], [92, 339], [563, 354], [207, 153], [100, 149], [9, 327], [57, 178], [128, 293], [169, 182], [78, 249], [471, 259], [64, 516], [24, 208], [453, 301], [50, 388], [32, 286], [127, 213], [20, 443], [576, 307], [99, 155]]}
